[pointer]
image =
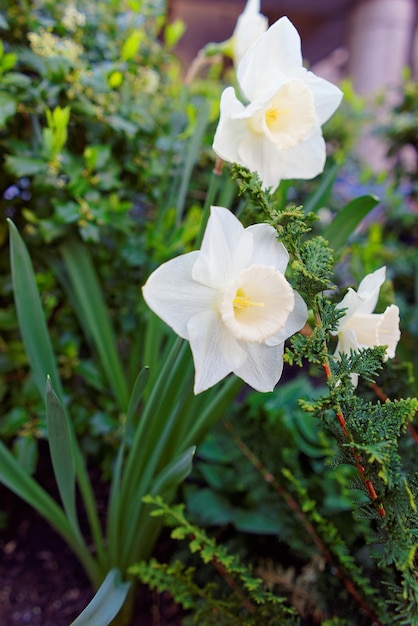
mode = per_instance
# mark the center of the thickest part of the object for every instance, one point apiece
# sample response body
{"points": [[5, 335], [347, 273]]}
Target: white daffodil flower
{"points": [[360, 327], [251, 24], [278, 132], [231, 301]]}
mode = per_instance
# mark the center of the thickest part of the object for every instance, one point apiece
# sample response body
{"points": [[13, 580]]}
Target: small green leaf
{"points": [[7, 107], [347, 220], [4, 25], [26, 451], [131, 46], [26, 166], [9, 61], [107, 602], [174, 32]]}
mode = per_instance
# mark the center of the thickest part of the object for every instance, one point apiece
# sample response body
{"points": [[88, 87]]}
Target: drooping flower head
{"points": [[251, 24], [360, 327], [277, 132], [231, 301]]}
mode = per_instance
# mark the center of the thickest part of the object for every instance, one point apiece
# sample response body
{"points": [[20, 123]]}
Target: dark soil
{"points": [[42, 583]]}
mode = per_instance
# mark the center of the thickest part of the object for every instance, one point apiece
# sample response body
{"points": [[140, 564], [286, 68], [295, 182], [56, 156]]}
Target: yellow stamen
{"points": [[272, 115], [242, 301]]}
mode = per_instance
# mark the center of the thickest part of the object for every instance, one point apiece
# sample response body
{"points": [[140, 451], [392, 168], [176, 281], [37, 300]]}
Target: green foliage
{"points": [[246, 602], [105, 159]]}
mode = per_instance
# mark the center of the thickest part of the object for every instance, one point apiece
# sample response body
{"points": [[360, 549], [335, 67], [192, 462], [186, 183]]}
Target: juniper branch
{"points": [[272, 481]]}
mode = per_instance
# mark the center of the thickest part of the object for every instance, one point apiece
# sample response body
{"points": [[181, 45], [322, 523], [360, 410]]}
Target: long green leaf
{"points": [[137, 393], [319, 197], [14, 477], [113, 511], [174, 473], [192, 154], [107, 602], [93, 315], [42, 361], [347, 220], [31, 316], [59, 440]]}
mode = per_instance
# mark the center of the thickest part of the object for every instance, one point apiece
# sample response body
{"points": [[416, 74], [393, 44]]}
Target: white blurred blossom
{"points": [[73, 18], [48, 45], [360, 327], [231, 301], [251, 24], [277, 131]]}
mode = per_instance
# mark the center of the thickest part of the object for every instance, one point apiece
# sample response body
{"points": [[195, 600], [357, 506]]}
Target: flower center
{"points": [[242, 301], [272, 116], [256, 306], [289, 117]]}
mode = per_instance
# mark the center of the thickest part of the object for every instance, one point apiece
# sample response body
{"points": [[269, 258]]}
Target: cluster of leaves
{"points": [[98, 135], [400, 132], [247, 601]]}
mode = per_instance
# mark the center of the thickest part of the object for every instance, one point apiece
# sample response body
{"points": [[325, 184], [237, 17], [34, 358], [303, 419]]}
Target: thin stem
{"points": [[306, 523], [233, 585]]}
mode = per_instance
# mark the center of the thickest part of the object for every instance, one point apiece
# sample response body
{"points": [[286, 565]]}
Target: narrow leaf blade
{"points": [[137, 393], [31, 317], [347, 220], [107, 602], [93, 315], [174, 473], [59, 439], [317, 200]]}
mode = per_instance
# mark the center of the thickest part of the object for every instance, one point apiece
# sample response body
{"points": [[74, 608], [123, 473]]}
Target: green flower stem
{"points": [[214, 184]]}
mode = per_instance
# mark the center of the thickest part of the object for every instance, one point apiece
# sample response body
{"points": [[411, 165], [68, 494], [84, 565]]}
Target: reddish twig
{"points": [[233, 585], [357, 457], [294, 506]]}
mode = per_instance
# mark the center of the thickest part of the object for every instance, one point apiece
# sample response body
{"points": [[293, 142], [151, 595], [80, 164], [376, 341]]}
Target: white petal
{"points": [[231, 128], [307, 159], [250, 26], [289, 117], [267, 250], [252, 7], [295, 321], [174, 296], [270, 59], [226, 249], [215, 352], [377, 329], [365, 299], [369, 288], [347, 340], [304, 161], [260, 155], [389, 333], [263, 367], [327, 96]]}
